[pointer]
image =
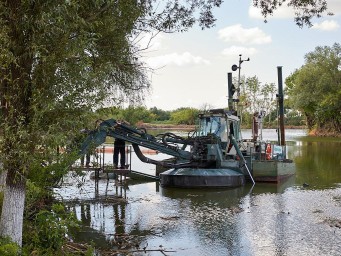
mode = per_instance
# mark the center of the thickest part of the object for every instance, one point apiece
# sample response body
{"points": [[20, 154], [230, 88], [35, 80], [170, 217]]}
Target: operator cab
{"points": [[221, 123]]}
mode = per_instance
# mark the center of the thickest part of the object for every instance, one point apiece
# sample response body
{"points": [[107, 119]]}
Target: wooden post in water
{"points": [[281, 106]]}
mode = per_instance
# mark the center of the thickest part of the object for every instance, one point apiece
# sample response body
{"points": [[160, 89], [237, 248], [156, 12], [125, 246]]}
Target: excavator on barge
{"points": [[213, 155], [207, 157]]}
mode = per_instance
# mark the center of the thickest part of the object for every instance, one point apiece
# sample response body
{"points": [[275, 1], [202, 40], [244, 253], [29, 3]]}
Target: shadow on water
{"points": [[260, 188]]}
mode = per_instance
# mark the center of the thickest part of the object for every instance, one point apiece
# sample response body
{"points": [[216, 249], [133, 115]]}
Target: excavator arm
{"points": [[167, 143]]}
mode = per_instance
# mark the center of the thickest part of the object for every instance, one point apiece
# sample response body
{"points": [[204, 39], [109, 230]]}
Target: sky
{"points": [[190, 68]]}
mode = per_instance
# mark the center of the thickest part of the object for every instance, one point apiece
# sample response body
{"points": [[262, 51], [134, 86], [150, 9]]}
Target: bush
{"points": [[8, 248], [185, 116], [47, 233]]}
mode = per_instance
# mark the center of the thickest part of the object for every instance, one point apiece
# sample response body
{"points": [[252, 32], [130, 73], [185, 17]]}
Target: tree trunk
{"points": [[310, 120], [16, 96], [11, 223], [2, 178]]}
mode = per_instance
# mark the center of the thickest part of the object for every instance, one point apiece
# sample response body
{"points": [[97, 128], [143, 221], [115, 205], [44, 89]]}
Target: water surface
{"points": [[301, 216]]}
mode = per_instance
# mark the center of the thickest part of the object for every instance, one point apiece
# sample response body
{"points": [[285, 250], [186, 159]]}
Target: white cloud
{"points": [[176, 59], [283, 12], [236, 50], [327, 25], [286, 12], [237, 33]]}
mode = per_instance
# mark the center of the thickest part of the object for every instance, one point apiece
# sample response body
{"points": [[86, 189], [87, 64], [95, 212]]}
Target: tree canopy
{"points": [[305, 10], [315, 88], [60, 59]]}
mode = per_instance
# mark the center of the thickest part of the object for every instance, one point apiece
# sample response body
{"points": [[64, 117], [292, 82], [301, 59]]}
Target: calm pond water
{"points": [[266, 219]]}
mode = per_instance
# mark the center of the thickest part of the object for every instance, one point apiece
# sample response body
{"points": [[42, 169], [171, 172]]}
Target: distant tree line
{"points": [[184, 116], [141, 114]]}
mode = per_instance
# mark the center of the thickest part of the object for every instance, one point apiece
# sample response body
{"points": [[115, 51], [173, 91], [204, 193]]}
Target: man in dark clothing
{"points": [[119, 148], [87, 160]]}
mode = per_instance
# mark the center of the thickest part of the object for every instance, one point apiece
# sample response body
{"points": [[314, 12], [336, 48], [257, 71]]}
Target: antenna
{"points": [[235, 68]]}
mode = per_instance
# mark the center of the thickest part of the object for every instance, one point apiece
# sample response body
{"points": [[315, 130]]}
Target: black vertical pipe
{"points": [[281, 105], [230, 91]]}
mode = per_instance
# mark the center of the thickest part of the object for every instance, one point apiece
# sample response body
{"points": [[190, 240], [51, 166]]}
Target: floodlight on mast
{"points": [[235, 67]]}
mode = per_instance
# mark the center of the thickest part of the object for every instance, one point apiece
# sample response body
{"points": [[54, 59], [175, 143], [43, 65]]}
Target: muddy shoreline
{"points": [[324, 133]]}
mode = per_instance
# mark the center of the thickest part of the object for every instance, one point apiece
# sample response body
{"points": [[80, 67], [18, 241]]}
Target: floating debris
{"points": [[170, 218], [333, 222]]}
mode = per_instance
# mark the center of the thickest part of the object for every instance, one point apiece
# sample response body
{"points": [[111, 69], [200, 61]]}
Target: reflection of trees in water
{"points": [[85, 215], [104, 221], [318, 159], [119, 216]]}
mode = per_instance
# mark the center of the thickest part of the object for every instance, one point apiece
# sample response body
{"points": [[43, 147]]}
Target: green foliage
{"points": [[159, 114], [256, 97], [132, 115], [185, 116], [36, 199], [59, 61], [8, 248], [304, 10], [108, 113], [294, 118], [135, 115], [45, 225], [189, 115], [314, 89], [49, 229]]}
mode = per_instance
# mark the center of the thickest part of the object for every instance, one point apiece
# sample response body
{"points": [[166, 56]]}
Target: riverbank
{"points": [[152, 126], [324, 133], [183, 127]]}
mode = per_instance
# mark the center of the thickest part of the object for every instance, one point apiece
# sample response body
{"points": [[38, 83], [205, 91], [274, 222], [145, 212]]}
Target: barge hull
{"points": [[201, 178], [272, 171]]}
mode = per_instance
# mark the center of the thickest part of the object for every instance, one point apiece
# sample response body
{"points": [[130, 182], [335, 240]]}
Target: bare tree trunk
{"points": [[11, 223]]}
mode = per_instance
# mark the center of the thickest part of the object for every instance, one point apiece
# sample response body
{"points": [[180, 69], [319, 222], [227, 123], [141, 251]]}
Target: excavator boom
{"points": [[205, 144], [137, 137]]}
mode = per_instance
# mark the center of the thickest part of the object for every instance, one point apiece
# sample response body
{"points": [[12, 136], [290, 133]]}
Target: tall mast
{"points": [[231, 90], [234, 68], [281, 106]]}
